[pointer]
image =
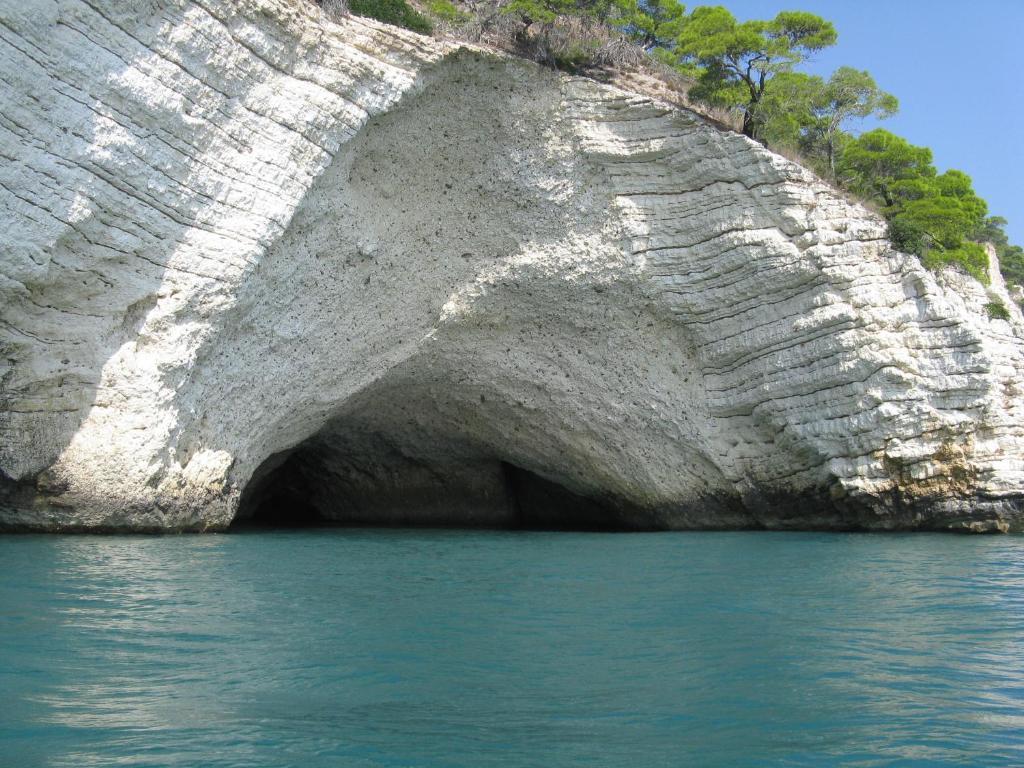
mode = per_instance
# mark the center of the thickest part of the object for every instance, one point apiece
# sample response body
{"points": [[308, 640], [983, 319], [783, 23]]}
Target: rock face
{"points": [[258, 264]]}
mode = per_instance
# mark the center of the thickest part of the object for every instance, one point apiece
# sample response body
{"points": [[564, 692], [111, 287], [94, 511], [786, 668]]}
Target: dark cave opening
{"points": [[313, 486], [276, 497], [542, 504]]}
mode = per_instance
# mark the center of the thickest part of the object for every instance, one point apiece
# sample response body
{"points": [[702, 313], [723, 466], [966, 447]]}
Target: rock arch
{"points": [[372, 252]]}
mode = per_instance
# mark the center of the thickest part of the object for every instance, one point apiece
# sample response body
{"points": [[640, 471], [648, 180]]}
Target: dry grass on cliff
{"points": [[574, 44], [583, 46]]}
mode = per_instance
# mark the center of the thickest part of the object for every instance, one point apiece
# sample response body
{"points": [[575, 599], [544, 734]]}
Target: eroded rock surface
{"points": [[254, 261]]}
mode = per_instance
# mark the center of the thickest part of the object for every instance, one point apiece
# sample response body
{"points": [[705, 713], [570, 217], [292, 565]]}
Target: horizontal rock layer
{"points": [[256, 263]]}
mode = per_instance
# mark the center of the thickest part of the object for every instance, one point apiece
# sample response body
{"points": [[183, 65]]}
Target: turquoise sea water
{"points": [[448, 648]]}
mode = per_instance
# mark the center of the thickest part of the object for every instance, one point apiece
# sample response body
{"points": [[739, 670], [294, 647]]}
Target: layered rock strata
{"points": [[255, 263]]}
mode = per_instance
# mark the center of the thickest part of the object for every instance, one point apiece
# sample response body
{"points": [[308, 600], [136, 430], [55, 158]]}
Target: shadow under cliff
{"points": [[301, 492]]}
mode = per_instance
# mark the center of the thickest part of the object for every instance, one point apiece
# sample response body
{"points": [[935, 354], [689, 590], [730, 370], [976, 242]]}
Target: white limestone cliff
{"points": [[251, 259]]}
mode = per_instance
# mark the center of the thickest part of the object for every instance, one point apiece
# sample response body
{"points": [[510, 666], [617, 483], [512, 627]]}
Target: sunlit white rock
{"points": [[235, 228]]}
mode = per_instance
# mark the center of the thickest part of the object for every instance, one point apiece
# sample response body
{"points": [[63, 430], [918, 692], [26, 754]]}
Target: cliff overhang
{"points": [[257, 260]]}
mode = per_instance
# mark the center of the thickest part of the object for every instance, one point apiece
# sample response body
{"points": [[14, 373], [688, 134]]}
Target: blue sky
{"points": [[954, 67]]}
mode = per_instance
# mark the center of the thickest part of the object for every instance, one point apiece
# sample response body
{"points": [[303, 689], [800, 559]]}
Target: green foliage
{"points": [[547, 11], [936, 216], [883, 168], [947, 211], [854, 93], [651, 24], [992, 230], [1011, 257], [785, 113], [397, 12], [906, 237], [574, 34], [447, 11], [1011, 263], [997, 311], [849, 94], [970, 257], [735, 62], [806, 113]]}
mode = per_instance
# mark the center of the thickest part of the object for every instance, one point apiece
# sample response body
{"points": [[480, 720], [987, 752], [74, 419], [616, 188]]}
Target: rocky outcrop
{"points": [[255, 263]]}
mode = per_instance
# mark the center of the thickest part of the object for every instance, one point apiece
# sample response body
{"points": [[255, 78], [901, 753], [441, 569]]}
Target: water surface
{"points": [[448, 648]]}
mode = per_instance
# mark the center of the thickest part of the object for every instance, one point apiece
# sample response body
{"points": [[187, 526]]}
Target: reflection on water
{"points": [[419, 648]]}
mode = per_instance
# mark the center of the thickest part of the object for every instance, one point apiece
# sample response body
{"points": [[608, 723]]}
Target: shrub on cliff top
{"points": [[936, 216], [807, 113], [735, 62], [447, 11], [997, 311], [1011, 257], [569, 34], [397, 12]]}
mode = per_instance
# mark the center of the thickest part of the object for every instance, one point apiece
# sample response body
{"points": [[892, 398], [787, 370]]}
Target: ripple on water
{"points": [[447, 648]]}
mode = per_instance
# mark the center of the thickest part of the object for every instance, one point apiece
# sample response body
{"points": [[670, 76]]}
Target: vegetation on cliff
{"points": [[747, 73]]}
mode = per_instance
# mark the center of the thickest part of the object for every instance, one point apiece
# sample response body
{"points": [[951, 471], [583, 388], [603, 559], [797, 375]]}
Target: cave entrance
{"points": [[321, 484]]}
